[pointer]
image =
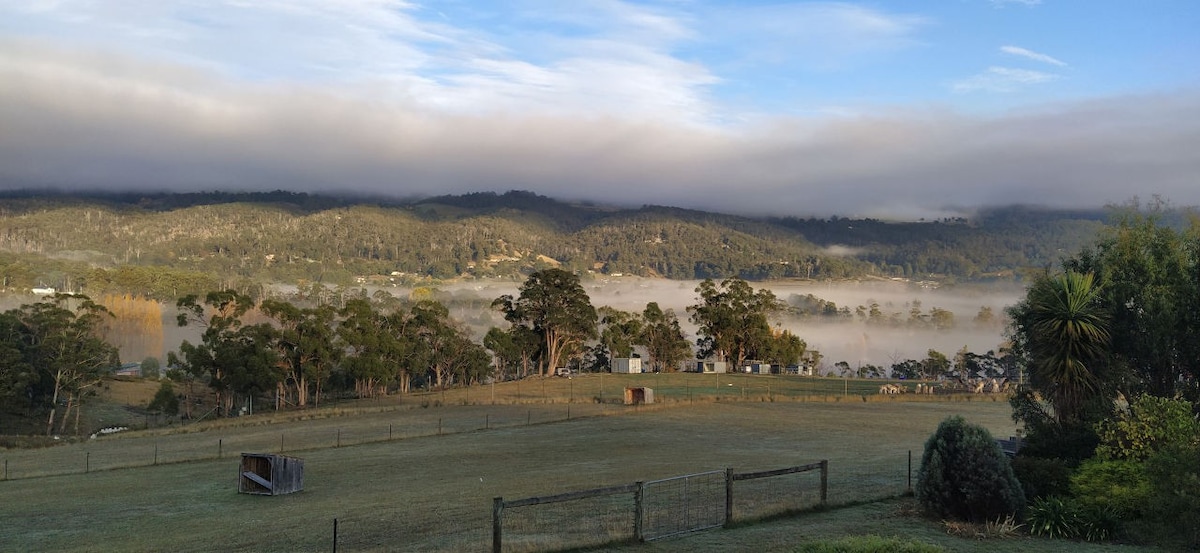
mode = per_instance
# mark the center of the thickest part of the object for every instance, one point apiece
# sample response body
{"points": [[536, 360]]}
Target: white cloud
{"points": [[77, 119], [1001, 79], [615, 59], [1030, 54]]}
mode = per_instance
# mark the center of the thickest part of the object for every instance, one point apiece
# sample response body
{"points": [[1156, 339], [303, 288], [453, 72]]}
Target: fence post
{"points": [[910, 491], [219, 446], [335, 535], [728, 496], [639, 510], [87, 461], [389, 432], [487, 421], [155, 452], [281, 442], [824, 481], [497, 525], [439, 426], [339, 438]]}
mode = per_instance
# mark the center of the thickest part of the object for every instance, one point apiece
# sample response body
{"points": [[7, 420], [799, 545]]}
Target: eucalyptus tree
{"points": [[784, 348], [513, 350], [375, 347], [18, 379], [665, 343], [620, 332], [446, 351], [235, 357], [63, 341], [306, 348], [553, 304], [733, 320]]}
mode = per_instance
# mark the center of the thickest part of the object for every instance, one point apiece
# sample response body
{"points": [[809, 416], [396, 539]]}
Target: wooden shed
{"points": [[638, 394], [269, 474]]}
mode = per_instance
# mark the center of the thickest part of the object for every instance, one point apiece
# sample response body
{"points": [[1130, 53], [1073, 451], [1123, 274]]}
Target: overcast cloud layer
{"points": [[381, 97]]}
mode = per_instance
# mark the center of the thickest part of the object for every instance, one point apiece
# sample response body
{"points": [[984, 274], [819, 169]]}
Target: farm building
{"points": [[755, 367], [639, 395], [268, 474], [627, 365], [710, 367]]}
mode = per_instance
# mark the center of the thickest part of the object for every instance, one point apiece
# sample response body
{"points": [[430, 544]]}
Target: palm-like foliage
{"points": [[1068, 337]]}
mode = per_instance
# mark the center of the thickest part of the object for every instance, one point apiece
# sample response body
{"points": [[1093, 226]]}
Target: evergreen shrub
{"points": [[965, 476]]}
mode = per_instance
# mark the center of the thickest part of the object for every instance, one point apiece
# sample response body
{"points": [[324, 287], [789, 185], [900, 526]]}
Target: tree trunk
{"points": [[62, 425], [54, 403]]}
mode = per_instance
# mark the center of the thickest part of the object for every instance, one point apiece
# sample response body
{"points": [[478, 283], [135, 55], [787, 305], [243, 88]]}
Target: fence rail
{"points": [[695, 507]]}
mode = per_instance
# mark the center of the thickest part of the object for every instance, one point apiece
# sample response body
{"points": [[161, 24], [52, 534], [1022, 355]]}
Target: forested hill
{"points": [[169, 244]]}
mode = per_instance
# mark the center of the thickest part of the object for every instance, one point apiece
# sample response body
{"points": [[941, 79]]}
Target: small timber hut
{"points": [[268, 474], [638, 395]]}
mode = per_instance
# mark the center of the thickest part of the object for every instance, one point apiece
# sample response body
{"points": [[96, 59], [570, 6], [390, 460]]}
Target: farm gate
{"points": [[659, 509]]}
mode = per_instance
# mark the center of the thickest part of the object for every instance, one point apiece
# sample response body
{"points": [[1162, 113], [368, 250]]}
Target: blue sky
{"points": [[886, 109]]}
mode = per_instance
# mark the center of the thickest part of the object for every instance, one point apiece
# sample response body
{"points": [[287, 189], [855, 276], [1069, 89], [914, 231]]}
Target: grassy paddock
{"points": [[434, 493]]}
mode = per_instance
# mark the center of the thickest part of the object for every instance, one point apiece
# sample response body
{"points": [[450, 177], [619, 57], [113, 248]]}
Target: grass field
{"points": [[420, 491]]}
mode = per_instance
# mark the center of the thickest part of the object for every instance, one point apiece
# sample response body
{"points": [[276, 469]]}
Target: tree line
{"points": [[55, 353]]}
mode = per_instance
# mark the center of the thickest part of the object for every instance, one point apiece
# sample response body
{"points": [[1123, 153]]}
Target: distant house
{"points": [[627, 365], [711, 367], [128, 369], [43, 291]]}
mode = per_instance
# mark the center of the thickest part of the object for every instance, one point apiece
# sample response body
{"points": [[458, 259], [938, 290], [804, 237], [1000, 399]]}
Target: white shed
{"points": [[628, 365]]}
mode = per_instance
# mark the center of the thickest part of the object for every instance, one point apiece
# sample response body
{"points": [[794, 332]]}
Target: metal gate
{"points": [[682, 504]]}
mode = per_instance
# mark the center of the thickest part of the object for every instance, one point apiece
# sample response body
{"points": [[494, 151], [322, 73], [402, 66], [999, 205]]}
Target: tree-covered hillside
{"points": [[165, 245]]}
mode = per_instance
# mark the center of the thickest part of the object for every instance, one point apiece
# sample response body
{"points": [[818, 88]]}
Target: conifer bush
{"points": [[965, 476]]}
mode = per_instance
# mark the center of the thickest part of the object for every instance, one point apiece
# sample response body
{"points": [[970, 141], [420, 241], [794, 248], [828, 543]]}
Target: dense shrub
{"points": [[1149, 425], [964, 475], [1042, 477], [1120, 485], [165, 401], [1174, 501]]}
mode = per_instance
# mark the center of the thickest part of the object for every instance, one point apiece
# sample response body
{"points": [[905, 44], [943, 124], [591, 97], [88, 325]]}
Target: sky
{"points": [[887, 109]]}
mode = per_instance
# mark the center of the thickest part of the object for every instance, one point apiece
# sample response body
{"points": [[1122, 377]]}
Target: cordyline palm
{"points": [[1068, 338]]}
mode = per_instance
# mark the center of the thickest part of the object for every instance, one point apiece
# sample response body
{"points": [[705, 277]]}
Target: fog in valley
{"points": [[850, 339], [841, 339]]}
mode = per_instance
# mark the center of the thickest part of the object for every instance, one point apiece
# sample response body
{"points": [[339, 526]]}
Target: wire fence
{"points": [[643, 511], [116, 451]]}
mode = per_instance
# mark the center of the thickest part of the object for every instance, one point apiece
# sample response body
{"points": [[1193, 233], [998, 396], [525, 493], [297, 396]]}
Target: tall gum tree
{"points": [[733, 320], [554, 304], [65, 338]]}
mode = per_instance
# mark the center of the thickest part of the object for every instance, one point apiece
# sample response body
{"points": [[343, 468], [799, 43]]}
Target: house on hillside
{"points": [[128, 369]]}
